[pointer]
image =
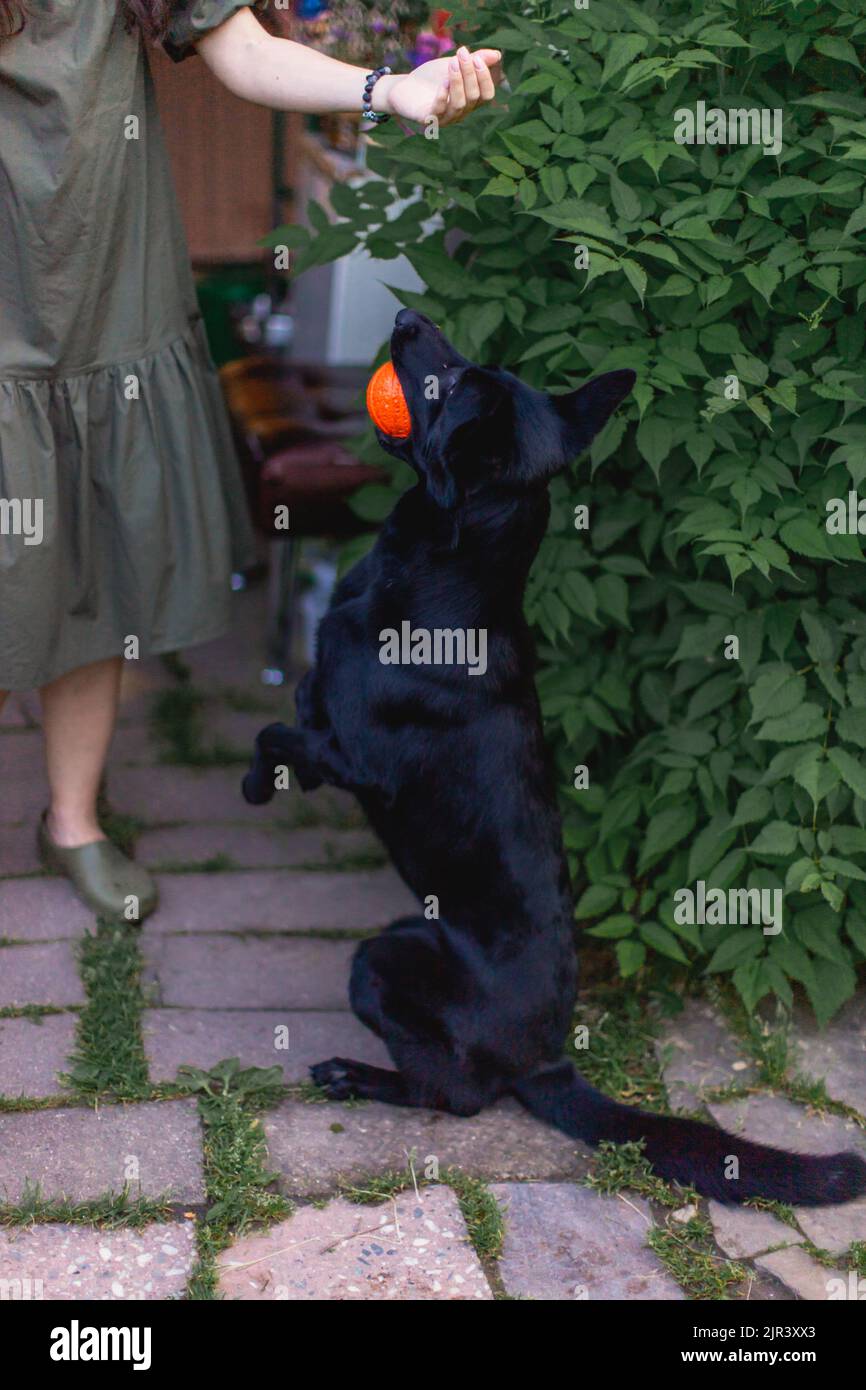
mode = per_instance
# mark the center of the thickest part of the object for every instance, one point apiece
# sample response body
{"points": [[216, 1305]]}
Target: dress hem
{"points": [[161, 648]]}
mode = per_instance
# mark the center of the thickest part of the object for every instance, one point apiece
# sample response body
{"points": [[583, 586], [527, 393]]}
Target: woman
{"points": [[121, 513]]}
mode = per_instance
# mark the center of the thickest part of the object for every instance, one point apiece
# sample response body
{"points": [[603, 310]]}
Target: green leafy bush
{"points": [[706, 515]]}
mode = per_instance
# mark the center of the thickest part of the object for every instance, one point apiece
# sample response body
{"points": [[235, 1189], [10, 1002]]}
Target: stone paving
{"points": [[248, 957]]}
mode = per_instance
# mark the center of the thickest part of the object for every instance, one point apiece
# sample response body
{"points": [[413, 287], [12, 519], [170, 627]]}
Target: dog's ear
{"points": [[582, 413], [469, 437]]}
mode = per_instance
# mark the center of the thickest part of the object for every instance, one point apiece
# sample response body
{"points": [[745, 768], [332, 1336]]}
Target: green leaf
{"points": [[663, 941], [612, 593], [752, 981], [851, 725], [636, 277], [806, 537], [654, 442], [848, 839], [776, 837], [665, 830], [625, 200], [850, 769], [807, 721], [832, 986], [722, 338], [739, 946], [620, 925], [595, 900], [764, 278], [778, 690], [753, 805], [621, 51], [374, 503], [833, 46], [630, 957]]}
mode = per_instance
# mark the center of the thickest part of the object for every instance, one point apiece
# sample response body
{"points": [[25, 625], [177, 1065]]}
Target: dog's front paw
{"points": [[338, 1077]]}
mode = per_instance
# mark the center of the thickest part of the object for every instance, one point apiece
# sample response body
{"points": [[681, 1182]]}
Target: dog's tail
{"points": [[716, 1163]]}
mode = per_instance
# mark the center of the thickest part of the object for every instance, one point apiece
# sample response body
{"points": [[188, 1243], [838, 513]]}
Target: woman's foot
{"points": [[109, 883]]}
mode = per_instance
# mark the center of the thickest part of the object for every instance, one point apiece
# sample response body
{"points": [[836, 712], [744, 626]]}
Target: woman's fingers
{"points": [[456, 92], [486, 85], [469, 73]]}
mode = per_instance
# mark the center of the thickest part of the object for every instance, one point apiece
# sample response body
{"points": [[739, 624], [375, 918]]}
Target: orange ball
{"points": [[387, 404]]}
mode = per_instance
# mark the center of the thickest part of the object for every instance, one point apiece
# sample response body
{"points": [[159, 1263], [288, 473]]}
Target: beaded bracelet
{"points": [[367, 113]]}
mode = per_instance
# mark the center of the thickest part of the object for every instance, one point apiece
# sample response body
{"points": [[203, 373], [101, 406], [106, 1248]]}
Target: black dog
{"points": [[450, 767]]}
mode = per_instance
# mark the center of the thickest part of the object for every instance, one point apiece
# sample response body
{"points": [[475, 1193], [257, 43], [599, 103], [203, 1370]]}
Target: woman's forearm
{"points": [[277, 72]]}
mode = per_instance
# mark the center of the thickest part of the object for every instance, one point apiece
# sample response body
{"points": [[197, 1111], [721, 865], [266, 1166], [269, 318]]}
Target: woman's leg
{"points": [[79, 712]]}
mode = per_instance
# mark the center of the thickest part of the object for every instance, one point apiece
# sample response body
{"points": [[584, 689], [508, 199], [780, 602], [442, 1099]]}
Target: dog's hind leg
{"points": [[402, 985]]}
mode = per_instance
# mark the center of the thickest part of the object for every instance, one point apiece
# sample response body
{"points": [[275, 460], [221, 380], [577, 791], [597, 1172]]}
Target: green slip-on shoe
{"points": [[109, 883]]}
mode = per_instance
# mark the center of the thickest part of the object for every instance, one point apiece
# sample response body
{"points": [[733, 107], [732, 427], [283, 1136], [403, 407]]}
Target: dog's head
{"points": [[475, 427]]}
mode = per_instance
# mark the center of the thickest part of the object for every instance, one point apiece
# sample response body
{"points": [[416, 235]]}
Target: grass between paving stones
{"points": [[34, 1012], [478, 1205], [624, 1168], [769, 1047], [230, 1098], [109, 1057], [109, 1212], [177, 719], [121, 829], [620, 1059], [689, 1254], [687, 1249], [216, 864], [479, 1208]]}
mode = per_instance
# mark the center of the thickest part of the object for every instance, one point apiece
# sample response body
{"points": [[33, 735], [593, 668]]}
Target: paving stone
{"points": [[203, 1037], [237, 658], [773, 1120], [132, 744], [77, 1262], [251, 847], [167, 793], [837, 1054], [742, 1232], [154, 1147], [18, 850], [701, 1054], [21, 753], [212, 972], [568, 1242], [237, 729], [502, 1142], [410, 1249], [141, 681], [834, 1228], [800, 1274], [39, 975], [42, 909], [32, 1052], [18, 712], [279, 901], [23, 779]]}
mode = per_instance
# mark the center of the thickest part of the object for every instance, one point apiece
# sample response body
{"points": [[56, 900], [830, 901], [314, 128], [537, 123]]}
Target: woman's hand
{"points": [[447, 88]]}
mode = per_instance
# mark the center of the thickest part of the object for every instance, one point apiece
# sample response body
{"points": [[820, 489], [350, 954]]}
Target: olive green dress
{"points": [[121, 507]]}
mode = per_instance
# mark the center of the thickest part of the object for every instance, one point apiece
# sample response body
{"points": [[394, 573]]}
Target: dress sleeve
{"points": [[192, 19]]}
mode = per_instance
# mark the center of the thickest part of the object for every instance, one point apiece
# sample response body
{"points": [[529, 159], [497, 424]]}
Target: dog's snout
{"points": [[408, 322]]}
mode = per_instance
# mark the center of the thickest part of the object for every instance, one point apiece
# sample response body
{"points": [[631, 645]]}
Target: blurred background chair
{"points": [[292, 424]]}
